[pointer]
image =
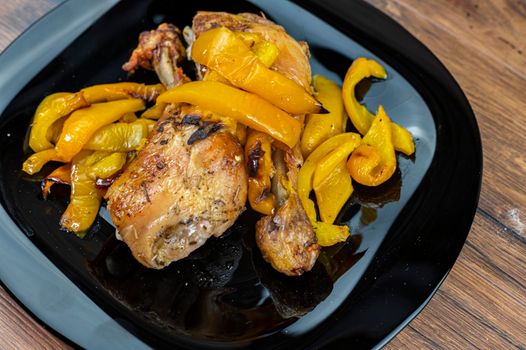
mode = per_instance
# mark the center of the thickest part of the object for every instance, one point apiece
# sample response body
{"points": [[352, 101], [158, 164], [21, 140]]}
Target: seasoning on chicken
{"points": [[187, 184]]}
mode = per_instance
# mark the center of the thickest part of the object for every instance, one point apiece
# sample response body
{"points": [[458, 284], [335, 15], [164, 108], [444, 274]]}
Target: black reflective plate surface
{"points": [[406, 234]]}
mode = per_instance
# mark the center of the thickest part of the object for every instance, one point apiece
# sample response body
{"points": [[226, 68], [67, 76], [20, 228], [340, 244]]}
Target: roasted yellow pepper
{"points": [[246, 108], [120, 91], [328, 163], [83, 123], [120, 137], [361, 118], [267, 54], [333, 192], [327, 234], [61, 175], [223, 51], [258, 156], [51, 109], [85, 198], [36, 161], [266, 51], [332, 185], [320, 127], [374, 161], [154, 112]]}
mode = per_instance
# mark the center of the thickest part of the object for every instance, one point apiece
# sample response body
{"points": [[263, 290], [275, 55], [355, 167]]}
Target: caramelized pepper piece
{"points": [[243, 106], [223, 51], [374, 162], [361, 118], [258, 155], [82, 124], [327, 234], [51, 109], [320, 127], [85, 198], [61, 175], [121, 91]]}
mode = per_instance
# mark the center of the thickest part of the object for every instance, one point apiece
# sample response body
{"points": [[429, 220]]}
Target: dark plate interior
{"points": [[224, 293]]}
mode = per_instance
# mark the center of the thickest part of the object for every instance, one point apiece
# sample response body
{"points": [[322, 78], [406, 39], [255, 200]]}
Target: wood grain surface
{"points": [[482, 304]]}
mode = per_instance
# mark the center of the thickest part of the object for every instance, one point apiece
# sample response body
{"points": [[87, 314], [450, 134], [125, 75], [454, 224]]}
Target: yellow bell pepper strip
{"points": [[108, 165], [320, 127], [212, 75], [223, 51], [61, 175], [119, 137], [51, 109], [258, 157], [83, 123], [85, 198], [332, 185], [327, 234], [155, 112], [361, 118], [53, 132], [246, 108], [333, 192], [374, 161], [121, 91], [36, 161], [128, 118], [330, 162], [266, 51]]}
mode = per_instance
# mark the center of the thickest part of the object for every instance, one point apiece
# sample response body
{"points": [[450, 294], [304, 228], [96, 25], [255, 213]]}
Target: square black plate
{"points": [[225, 295]]}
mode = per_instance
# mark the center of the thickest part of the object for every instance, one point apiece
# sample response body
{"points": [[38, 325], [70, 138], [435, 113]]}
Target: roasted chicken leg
{"points": [[188, 183]]}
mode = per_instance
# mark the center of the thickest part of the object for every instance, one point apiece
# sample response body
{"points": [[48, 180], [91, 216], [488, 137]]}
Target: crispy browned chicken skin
{"points": [[187, 184]]}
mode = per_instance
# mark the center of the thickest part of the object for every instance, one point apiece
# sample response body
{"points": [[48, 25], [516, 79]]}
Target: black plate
{"points": [[225, 295]]}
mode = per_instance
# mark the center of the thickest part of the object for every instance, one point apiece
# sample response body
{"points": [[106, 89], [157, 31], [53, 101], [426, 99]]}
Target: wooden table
{"points": [[482, 304]]}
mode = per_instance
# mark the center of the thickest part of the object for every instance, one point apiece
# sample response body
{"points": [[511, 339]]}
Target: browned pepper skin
{"points": [[61, 175], [258, 156]]}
